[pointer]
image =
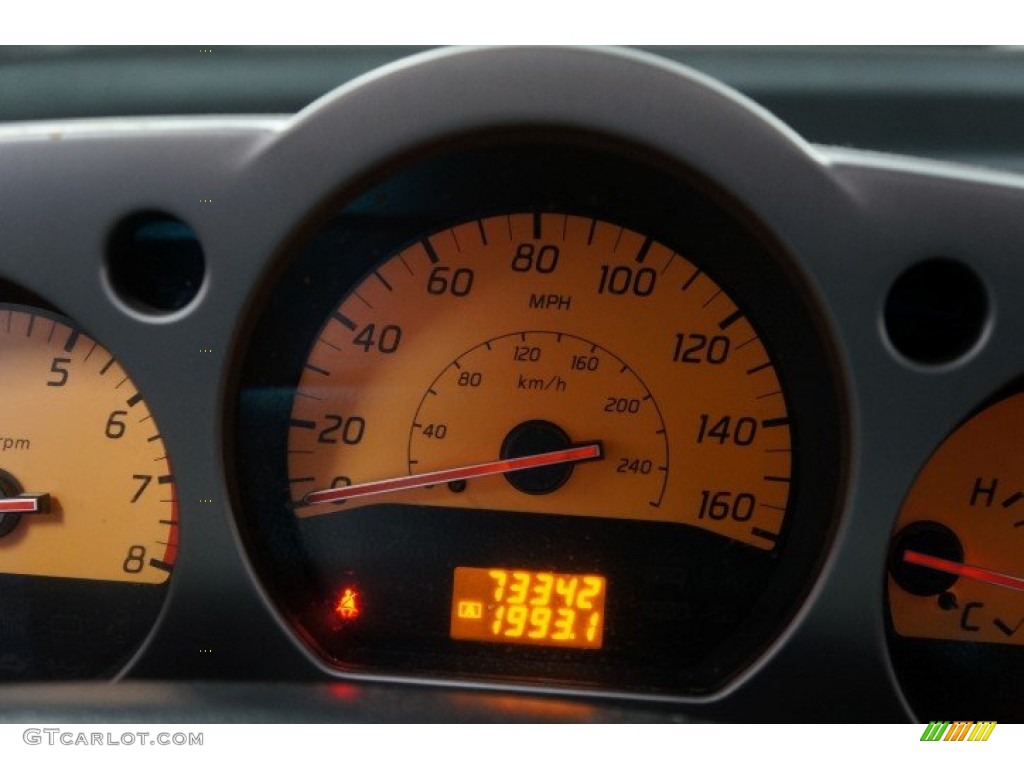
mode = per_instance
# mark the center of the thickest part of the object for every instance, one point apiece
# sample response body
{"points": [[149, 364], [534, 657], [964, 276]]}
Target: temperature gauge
{"points": [[956, 569]]}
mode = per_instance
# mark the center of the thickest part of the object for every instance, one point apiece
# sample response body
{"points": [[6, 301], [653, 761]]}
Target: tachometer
{"points": [[88, 510]]}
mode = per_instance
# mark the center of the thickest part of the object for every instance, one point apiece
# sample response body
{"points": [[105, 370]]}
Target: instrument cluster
{"points": [[556, 370]]}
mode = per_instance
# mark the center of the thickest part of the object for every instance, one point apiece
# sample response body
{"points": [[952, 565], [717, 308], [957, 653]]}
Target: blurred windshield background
{"points": [[964, 103]]}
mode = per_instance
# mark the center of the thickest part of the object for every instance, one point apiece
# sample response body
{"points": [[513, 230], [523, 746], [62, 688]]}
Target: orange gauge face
{"points": [[87, 496], [544, 364], [957, 564]]}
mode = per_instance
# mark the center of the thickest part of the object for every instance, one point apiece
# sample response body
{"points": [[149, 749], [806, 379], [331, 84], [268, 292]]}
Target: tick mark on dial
{"points": [[730, 319], [644, 248], [431, 253]]}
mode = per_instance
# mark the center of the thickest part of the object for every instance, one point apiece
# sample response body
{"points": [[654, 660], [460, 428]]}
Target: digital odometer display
{"points": [[535, 607]]}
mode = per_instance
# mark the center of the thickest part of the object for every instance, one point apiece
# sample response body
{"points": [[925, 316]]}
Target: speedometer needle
{"points": [[965, 570], [578, 453]]}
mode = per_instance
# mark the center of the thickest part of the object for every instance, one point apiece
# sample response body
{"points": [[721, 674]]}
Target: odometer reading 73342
{"points": [[534, 607]]}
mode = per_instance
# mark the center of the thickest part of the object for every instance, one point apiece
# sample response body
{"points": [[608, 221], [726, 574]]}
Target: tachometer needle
{"points": [[26, 504], [578, 453], [962, 569]]}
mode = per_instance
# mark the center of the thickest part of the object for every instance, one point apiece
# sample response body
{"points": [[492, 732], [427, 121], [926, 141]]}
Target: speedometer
{"points": [[571, 422], [532, 335]]}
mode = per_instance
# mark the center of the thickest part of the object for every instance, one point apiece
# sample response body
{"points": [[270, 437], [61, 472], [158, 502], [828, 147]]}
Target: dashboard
{"points": [[506, 384]]}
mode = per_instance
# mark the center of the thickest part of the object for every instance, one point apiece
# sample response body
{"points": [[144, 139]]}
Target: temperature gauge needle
{"points": [[26, 504], [962, 569], [578, 453]]}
